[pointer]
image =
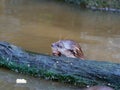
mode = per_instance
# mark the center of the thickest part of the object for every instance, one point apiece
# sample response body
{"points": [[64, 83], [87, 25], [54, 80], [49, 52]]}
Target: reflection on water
{"points": [[35, 24]]}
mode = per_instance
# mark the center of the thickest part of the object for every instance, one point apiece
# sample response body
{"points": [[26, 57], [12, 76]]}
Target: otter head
{"points": [[68, 48]]}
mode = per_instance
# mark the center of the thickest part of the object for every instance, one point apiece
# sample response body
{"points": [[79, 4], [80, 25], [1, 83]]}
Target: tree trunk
{"points": [[64, 69]]}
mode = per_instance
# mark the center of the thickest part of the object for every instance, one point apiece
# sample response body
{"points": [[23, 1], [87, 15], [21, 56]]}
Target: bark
{"points": [[71, 70]]}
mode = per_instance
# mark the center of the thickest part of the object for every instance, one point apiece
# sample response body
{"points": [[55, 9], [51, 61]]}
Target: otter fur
{"points": [[69, 48]]}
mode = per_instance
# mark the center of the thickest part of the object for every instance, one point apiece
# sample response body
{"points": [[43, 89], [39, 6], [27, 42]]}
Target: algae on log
{"points": [[64, 69]]}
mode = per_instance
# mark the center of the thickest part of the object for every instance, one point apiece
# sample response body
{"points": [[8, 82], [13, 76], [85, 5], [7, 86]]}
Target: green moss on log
{"points": [[24, 69], [63, 69]]}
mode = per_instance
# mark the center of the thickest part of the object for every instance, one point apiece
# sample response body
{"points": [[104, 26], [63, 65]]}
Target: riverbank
{"points": [[103, 5]]}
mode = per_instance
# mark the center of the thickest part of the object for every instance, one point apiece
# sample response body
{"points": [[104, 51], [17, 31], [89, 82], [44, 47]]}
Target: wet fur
{"points": [[68, 48]]}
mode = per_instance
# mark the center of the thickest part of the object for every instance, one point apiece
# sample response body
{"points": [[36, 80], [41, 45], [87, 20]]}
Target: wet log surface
{"points": [[71, 70]]}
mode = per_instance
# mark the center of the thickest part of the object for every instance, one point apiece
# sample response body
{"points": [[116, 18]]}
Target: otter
{"points": [[68, 48], [99, 88]]}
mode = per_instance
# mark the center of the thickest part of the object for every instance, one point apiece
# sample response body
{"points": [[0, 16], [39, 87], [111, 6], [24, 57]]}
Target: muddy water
{"points": [[35, 24]]}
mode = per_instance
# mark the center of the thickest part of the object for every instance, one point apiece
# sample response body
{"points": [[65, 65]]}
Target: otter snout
{"points": [[55, 51], [52, 45]]}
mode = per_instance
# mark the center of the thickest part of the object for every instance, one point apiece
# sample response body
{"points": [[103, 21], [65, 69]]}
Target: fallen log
{"points": [[71, 70]]}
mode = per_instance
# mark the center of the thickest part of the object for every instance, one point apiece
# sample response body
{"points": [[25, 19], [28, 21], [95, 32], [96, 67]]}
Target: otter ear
{"points": [[78, 52]]}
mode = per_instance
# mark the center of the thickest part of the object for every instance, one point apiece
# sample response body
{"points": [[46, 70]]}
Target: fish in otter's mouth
{"points": [[69, 48]]}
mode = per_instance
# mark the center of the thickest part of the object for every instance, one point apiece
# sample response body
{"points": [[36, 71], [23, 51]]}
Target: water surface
{"points": [[35, 24]]}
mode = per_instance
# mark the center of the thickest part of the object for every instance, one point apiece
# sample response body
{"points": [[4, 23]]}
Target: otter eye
{"points": [[59, 46]]}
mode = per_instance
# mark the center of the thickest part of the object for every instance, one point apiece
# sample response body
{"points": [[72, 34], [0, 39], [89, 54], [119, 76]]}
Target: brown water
{"points": [[35, 24]]}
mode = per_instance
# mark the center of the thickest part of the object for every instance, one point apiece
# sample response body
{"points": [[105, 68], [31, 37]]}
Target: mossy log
{"points": [[64, 69]]}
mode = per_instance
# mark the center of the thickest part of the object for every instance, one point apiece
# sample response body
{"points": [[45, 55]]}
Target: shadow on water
{"points": [[35, 24]]}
